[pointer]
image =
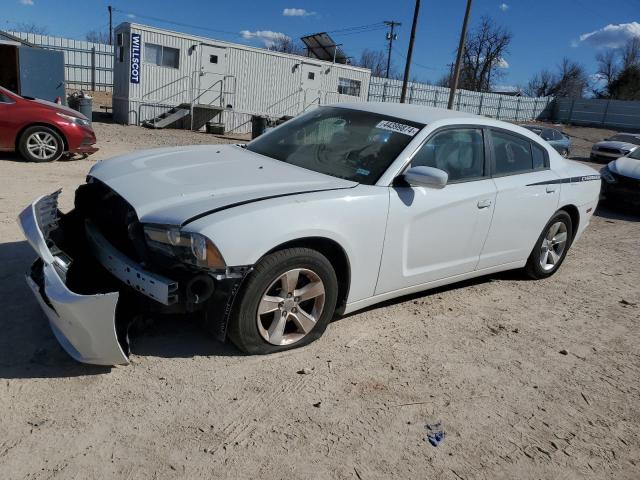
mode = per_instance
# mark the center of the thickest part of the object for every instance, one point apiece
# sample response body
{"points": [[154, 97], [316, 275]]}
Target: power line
{"points": [[359, 31], [416, 63], [171, 22], [339, 32], [359, 27]]}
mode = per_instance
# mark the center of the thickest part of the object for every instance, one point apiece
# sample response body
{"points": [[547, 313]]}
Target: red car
{"points": [[42, 131]]}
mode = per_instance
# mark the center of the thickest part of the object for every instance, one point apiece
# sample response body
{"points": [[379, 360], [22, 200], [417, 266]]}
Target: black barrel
{"points": [[258, 125]]}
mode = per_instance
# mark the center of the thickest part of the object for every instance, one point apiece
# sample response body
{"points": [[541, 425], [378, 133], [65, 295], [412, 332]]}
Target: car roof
{"points": [[414, 113], [637, 135], [430, 115], [541, 127]]}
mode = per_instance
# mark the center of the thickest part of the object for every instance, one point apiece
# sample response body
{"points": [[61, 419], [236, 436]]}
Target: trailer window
{"points": [[161, 56], [347, 86]]}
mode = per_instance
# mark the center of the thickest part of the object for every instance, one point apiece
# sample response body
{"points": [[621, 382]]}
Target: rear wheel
{"points": [[287, 302], [551, 247], [41, 144], [564, 152]]}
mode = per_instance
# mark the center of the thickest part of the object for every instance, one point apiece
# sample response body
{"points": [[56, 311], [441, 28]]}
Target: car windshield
{"points": [[341, 142], [635, 154]]}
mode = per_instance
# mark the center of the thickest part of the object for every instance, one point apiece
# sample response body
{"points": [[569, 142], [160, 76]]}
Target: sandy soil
{"points": [[530, 379]]}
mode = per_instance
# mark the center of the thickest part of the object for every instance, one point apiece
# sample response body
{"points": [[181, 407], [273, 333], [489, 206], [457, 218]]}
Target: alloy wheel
{"points": [[42, 145], [553, 246], [290, 307]]}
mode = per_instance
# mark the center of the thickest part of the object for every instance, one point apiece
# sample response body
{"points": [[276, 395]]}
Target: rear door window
{"points": [[512, 154]]}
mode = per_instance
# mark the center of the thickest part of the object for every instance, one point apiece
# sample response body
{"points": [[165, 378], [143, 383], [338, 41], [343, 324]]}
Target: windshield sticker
{"points": [[362, 171], [398, 128]]}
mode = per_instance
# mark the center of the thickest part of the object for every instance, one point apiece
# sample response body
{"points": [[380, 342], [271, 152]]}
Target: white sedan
{"points": [[338, 209]]}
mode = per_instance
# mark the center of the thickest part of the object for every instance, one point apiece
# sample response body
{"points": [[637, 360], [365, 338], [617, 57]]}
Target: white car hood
{"points": [[172, 185], [618, 145], [627, 167]]}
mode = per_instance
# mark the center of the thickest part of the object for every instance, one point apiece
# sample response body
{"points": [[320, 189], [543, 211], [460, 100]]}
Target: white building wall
{"points": [[259, 82]]}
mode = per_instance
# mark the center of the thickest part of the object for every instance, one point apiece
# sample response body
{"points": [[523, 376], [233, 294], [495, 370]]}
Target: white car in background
{"points": [[616, 146], [338, 209]]}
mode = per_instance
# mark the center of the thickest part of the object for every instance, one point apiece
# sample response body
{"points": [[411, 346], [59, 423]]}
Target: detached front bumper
{"points": [[83, 324]]}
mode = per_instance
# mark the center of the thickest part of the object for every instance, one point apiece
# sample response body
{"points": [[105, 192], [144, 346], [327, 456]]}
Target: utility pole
{"points": [[456, 72], [407, 66], [391, 37], [110, 24]]}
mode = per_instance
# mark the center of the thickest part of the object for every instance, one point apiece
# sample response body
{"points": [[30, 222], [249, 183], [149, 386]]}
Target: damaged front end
{"points": [[95, 275]]}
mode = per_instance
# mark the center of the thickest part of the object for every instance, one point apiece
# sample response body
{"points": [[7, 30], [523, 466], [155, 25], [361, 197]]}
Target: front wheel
{"points": [[41, 144], [564, 152], [287, 302], [551, 247]]}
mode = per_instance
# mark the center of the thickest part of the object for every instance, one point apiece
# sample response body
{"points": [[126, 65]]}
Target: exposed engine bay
{"points": [[100, 247]]}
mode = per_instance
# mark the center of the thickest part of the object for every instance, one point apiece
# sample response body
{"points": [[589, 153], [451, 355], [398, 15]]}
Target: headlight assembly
{"points": [[76, 120], [605, 173], [188, 247]]}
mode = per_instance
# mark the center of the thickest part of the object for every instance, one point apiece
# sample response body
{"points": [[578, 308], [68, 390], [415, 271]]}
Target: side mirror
{"points": [[426, 177]]}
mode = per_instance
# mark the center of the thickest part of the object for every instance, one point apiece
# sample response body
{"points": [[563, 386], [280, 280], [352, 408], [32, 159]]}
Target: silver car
{"points": [[619, 145]]}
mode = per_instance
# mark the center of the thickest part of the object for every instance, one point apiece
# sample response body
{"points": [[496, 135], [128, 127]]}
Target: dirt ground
{"points": [[531, 380]]}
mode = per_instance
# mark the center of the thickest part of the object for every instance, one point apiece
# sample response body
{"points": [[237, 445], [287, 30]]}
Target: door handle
{"points": [[551, 188], [484, 203]]}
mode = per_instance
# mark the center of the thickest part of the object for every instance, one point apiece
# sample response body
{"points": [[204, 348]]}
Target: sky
{"points": [[544, 31]]}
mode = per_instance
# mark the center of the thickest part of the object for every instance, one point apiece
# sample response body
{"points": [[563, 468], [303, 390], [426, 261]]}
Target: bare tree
{"points": [[572, 79], [374, 60], [631, 53], [607, 65], [96, 36], [484, 52], [286, 45], [626, 85], [31, 27], [540, 85]]}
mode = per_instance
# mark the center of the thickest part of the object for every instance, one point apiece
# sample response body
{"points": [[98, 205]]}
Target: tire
{"points": [[550, 251], [41, 144], [564, 152], [260, 334]]}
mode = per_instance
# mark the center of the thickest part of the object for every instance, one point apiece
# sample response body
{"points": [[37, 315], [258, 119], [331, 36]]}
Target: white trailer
{"points": [[164, 78]]}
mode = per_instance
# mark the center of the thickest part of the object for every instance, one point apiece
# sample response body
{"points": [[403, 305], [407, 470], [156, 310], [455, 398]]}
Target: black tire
{"points": [[243, 326], [533, 267], [564, 152], [56, 141]]}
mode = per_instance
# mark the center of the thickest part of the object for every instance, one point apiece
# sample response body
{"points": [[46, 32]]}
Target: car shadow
{"points": [[611, 212], [11, 157], [517, 275], [15, 157], [28, 348]]}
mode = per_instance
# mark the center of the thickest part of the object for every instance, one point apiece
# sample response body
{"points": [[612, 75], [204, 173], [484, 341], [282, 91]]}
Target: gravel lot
{"points": [[529, 379]]}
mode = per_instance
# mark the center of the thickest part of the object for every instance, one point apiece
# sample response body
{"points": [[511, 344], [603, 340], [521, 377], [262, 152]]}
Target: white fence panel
{"points": [[502, 107]]}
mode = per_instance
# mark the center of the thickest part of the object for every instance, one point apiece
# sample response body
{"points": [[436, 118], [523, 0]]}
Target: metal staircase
{"points": [[180, 116], [192, 113]]}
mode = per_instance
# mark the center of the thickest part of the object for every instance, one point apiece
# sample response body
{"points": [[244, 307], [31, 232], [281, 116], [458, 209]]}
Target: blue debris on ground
{"points": [[435, 433]]}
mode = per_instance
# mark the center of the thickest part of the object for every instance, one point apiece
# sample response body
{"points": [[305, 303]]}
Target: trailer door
{"points": [[211, 81], [310, 83]]}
